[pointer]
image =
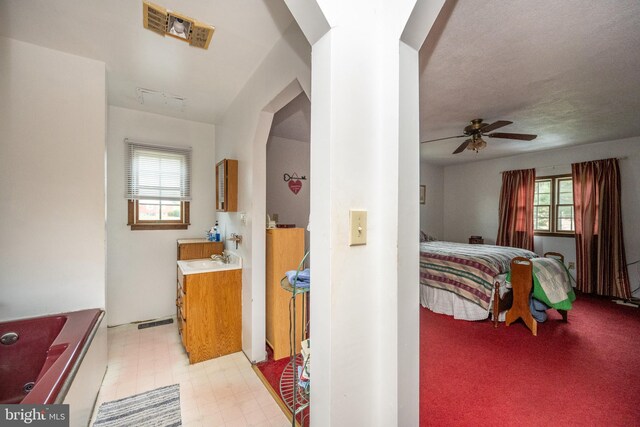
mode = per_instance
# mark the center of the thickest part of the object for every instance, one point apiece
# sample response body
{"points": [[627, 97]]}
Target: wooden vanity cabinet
{"points": [[198, 248], [208, 305], [210, 313]]}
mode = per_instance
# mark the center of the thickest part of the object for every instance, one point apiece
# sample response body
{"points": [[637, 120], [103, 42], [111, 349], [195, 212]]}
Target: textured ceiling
{"points": [[565, 70], [112, 32], [568, 71]]}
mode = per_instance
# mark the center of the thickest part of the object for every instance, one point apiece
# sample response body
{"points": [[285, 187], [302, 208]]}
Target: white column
{"points": [[364, 156]]}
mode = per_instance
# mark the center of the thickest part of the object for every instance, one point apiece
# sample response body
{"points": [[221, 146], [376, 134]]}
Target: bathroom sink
{"points": [[197, 266]]}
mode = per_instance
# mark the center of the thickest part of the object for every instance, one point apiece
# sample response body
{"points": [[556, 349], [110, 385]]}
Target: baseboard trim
{"points": [[275, 395]]}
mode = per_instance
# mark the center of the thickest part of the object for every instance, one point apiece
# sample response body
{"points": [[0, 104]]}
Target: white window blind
{"points": [[158, 172]]}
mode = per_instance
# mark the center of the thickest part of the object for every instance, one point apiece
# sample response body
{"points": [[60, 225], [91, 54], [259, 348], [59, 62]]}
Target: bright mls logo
{"points": [[34, 415]]}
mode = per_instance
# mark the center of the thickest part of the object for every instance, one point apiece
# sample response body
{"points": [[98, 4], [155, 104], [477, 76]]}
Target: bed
{"points": [[460, 279]]}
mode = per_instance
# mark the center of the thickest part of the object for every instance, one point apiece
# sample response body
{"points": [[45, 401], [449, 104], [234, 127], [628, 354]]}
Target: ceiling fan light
{"points": [[477, 143], [178, 26]]}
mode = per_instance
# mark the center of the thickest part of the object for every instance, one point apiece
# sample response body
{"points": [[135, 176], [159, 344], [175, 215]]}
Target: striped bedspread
{"points": [[466, 270]]}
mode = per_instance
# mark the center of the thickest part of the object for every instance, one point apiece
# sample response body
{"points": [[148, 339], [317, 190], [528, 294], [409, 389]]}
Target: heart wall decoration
{"points": [[295, 185], [294, 181]]}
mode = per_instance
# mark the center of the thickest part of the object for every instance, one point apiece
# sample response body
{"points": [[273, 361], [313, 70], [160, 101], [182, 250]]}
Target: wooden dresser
{"points": [[285, 250]]}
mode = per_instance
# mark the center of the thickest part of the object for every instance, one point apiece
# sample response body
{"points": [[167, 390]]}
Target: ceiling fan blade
{"points": [[440, 139], [520, 136], [495, 125], [462, 146]]}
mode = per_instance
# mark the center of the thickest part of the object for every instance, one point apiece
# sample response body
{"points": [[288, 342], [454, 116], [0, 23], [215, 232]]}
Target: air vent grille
{"points": [[167, 22], [201, 35], [155, 18]]}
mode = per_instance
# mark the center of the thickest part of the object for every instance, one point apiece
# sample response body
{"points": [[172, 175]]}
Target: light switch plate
{"points": [[357, 227]]}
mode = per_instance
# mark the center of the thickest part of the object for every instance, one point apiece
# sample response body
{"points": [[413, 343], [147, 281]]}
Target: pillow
{"points": [[424, 237]]}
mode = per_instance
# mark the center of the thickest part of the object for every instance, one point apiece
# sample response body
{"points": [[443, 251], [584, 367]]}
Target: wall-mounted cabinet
{"points": [[227, 186]]}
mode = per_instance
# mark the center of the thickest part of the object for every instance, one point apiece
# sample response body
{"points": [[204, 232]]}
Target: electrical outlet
{"points": [[572, 266]]}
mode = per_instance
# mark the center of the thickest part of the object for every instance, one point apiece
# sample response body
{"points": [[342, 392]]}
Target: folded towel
{"points": [[303, 280]]}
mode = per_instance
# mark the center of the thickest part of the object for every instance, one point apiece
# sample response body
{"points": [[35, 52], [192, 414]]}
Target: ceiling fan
{"points": [[476, 130]]}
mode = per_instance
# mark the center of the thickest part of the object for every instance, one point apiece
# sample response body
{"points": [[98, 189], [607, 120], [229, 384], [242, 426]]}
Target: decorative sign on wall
{"points": [[294, 181]]}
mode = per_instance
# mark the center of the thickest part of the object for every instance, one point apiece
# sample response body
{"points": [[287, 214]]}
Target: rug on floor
{"points": [[158, 408]]}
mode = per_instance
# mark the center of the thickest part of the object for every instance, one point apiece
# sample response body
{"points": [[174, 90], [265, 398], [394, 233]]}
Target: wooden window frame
{"points": [[137, 224], [550, 205], [554, 208]]}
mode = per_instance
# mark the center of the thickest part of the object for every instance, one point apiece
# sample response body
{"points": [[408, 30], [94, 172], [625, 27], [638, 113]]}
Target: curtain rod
{"points": [[564, 164]]}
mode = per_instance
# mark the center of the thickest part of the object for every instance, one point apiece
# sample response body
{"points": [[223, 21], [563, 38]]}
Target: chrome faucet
{"points": [[222, 257], [236, 238]]}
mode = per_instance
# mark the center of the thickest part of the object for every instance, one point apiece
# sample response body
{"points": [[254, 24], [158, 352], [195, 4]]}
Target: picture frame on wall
{"points": [[423, 194]]}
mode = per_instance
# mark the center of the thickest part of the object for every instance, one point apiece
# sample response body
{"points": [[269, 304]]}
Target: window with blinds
{"points": [[158, 181]]}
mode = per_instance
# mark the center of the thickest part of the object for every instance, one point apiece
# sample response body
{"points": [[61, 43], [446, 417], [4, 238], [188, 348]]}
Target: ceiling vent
{"points": [[166, 22], [154, 99]]}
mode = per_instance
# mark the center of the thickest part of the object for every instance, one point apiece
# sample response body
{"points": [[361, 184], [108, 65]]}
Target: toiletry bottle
{"points": [[216, 231], [211, 235]]}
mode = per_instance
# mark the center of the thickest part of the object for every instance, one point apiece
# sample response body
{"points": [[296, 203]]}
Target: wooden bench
{"points": [[517, 301]]}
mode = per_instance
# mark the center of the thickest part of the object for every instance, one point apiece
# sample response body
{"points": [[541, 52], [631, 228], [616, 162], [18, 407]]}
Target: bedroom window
{"points": [[553, 206], [158, 186]]}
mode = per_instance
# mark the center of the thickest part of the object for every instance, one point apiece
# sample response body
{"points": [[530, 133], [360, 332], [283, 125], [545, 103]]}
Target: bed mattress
{"points": [[458, 279]]}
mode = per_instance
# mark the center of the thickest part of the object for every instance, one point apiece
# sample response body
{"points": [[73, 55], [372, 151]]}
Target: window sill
{"points": [[136, 227], [542, 234]]}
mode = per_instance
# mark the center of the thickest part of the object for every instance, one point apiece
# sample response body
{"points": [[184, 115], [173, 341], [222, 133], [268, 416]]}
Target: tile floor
{"points": [[220, 392]]}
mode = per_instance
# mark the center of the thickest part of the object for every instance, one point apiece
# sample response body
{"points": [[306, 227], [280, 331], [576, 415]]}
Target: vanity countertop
{"points": [[195, 240], [207, 265]]}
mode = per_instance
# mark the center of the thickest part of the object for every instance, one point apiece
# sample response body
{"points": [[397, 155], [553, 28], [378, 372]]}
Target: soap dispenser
{"points": [[216, 233]]}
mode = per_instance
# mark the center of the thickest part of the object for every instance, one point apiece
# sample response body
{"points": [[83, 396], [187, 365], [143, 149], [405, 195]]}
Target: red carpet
{"points": [[582, 373], [585, 372], [272, 370]]}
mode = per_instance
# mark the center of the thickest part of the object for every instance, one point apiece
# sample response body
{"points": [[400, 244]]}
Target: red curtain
{"points": [[600, 256], [516, 209]]}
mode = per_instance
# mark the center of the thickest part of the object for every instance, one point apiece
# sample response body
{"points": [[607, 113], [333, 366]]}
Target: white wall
{"points": [[472, 193], [288, 156], [364, 128], [52, 130], [432, 212], [242, 134], [141, 265]]}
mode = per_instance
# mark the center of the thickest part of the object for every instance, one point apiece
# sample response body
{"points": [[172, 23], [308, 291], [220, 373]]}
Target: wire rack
{"points": [[295, 397]]}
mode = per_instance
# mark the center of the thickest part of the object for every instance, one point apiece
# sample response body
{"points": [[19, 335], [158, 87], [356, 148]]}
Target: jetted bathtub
{"points": [[54, 359]]}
